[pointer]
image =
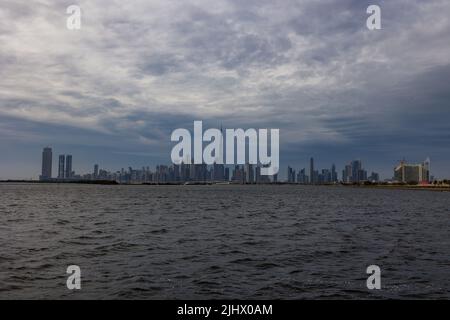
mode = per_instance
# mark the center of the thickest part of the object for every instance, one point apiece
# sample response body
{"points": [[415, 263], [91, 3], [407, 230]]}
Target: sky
{"points": [[112, 92]]}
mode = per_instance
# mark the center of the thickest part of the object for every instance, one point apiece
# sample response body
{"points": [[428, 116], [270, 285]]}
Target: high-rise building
{"points": [[61, 163], [347, 174], [354, 172], [374, 177], [334, 176], [325, 176], [227, 174], [290, 175], [47, 158], [311, 171], [258, 174], [192, 171], [96, 171], [412, 173], [356, 168], [238, 174], [302, 178], [68, 166], [176, 172], [249, 173], [218, 171]]}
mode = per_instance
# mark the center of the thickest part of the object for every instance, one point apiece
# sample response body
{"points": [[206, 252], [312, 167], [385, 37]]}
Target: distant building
{"points": [[290, 175], [258, 174], [249, 173], [69, 166], [325, 176], [347, 174], [227, 174], [334, 175], [96, 171], [218, 172], [61, 164], [238, 174], [354, 172], [311, 171], [412, 173], [374, 177], [47, 159], [302, 178], [275, 178]]}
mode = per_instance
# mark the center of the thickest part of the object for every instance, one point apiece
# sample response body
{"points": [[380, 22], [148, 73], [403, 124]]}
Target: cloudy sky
{"points": [[112, 92]]}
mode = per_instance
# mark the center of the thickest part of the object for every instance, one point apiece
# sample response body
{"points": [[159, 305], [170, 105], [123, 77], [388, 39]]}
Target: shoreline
{"points": [[405, 187], [439, 188]]}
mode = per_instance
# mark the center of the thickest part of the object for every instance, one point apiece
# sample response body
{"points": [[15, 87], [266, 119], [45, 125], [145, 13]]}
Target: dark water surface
{"points": [[204, 242]]}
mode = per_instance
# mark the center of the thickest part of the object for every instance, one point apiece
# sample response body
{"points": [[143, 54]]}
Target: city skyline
{"points": [[353, 172]]}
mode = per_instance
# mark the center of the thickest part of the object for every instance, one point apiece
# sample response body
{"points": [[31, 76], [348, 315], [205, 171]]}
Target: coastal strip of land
{"points": [[428, 187]]}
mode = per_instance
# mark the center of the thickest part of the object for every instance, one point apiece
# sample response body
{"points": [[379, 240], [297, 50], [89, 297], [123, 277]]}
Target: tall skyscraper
{"points": [[47, 158], [96, 171], [290, 175], [258, 174], [374, 177], [249, 173], [227, 174], [68, 166], [61, 164], [334, 176], [311, 171], [302, 178], [347, 174], [356, 170]]}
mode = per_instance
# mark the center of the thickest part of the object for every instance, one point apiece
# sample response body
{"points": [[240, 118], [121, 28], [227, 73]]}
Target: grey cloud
{"points": [[133, 73]]}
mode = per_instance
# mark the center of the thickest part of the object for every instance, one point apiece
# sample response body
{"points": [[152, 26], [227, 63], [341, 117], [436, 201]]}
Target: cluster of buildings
{"points": [[352, 173], [325, 176], [182, 173], [65, 171], [243, 174]]}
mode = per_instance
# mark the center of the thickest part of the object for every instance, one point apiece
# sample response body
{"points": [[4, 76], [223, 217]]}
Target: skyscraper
{"points": [[311, 171], [374, 177], [290, 175], [249, 173], [302, 177], [47, 158], [96, 171], [334, 176], [61, 163], [412, 173], [356, 170], [347, 174], [68, 166], [227, 174], [258, 174]]}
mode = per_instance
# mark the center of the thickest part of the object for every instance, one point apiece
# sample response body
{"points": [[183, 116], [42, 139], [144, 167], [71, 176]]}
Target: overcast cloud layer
{"points": [[113, 91]]}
